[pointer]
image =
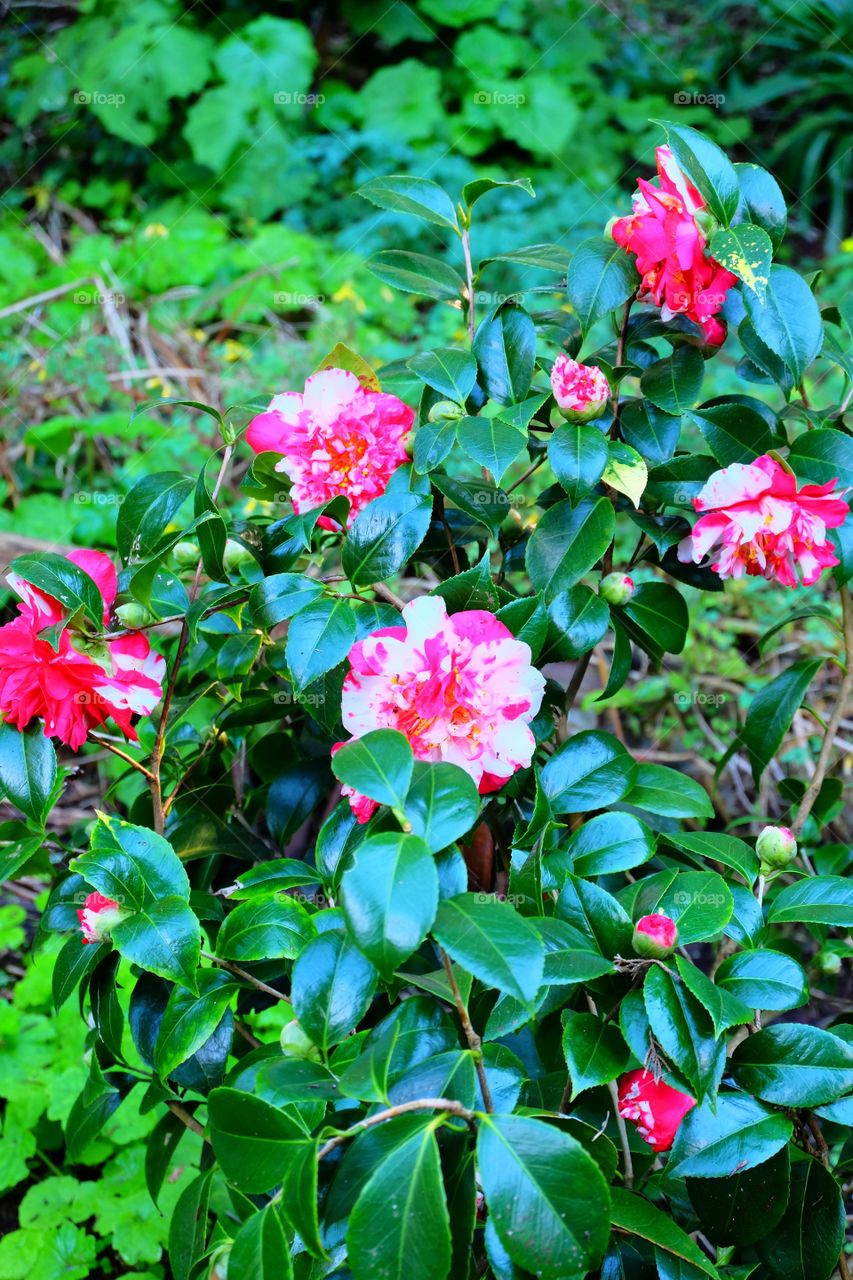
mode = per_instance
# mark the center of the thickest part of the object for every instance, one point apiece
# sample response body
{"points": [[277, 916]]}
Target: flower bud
{"points": [[776, 848], [296, 1044], [706, 222], [445, 409], [235, 554], [655, 937], [616, 588], [185, 554], [828, 962], [580, 390], [134, 614], [98, 916], [512, 526]]}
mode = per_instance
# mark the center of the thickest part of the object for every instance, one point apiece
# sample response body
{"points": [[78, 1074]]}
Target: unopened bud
{"points": [[616, 588], [445, 409], [296, 1044], [134, 614], [512, 526], [235, 554], [776, 848], [185, 554], [828, 962], [706, 222], [655, 937]]}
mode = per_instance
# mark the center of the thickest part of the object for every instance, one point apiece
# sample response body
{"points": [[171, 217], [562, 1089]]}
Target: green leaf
{"points": [[131, 864], [764, 980], [595, 913], [472, 191], [400, 1225], [626, 471], [610, 842], [389, 897], [28, 770], [772, 711], [318, 638], [669, 793], [191, 1019], [342, 357], [505, 347], [378, 765], [260, 1250], [707, 167], [163, 938], [160, 1146], [806, 1244], [725, 1010], [787, 319], [826, 900], [107, 1012], [546, 1196], [148, 509], [590, 771], [673, 383], [567, 542], [492, 941], [280, 596], [634, 1214], [578, 620], [763, 200], [715, 846], [719, 1140], [652, 432], [188, 1228], [578, 455], [594, 1050], [333, 985], [448, 370], [433, 442], [550, 257], [417, 273], [265, 928], [479, 499], [683, 1030], [384, 536], [418, 196], [701, 904], [75, 960], [90, 1112], [656, 618], [794, 1065], [492, 443], [253, 1141], [746, 251], [601, 278], [823, 455], [442, 804], [744, 1206], [734, 432]]}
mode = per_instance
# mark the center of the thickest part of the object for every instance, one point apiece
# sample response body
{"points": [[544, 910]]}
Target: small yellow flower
{"points": [[235, 351], [154, 230], [347, 293], [199, 335], [847, 245]]}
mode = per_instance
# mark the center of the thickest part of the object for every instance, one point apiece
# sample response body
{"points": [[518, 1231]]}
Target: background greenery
{"points": [[178, 181]]}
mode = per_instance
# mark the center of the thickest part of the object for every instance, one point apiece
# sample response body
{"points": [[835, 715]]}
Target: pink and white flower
{"points": [[461, 688], [756, 521], [655, 936], [654, 1107], [98, 916], [580, 390], [678, 274], [77, 685], [336, 437]]}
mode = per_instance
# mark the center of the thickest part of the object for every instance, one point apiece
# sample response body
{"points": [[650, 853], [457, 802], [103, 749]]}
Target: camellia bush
{"points": [[447, 986]]}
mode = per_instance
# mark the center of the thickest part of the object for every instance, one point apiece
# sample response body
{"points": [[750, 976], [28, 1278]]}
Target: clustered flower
{"points": [[756, 521], [337, 437], [75, 686], [679, 275], [461, 688]]}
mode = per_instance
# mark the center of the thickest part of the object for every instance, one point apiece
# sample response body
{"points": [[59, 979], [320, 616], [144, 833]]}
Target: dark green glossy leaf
{"points": [[378, 765], [442, 803], [601, 278], [772, 711], [505, 347], [384, 536], [420, 197], [567, 542], [720, 1140], [333, 985], [674, 382], [578, 455], [806, 1243], [390, 897], [590, 771], [492, 941], [318, 638]]}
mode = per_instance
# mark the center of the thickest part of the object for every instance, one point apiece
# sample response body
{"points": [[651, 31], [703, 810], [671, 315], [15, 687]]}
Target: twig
{"points": [[469, 276], [417, 1104], [813, 789], [184, 1116], [442, 515], [47, 296], [388, 596], [627, 1159], [102, 742], [242, 973], [471, 1036], [528, 473]]}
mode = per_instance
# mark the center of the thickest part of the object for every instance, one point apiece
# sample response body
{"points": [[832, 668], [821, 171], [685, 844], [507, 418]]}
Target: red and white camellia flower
{"points": [[97, 916], [335, 437], [79, 684], [580, 390], [679, 276], [756, 521], [654, 1107], [461, 688]]}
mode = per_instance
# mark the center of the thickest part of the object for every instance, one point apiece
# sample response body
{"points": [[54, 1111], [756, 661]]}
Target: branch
{"points": [[469, 276], [474, 1041], [187, 1119], [243, 973], [417, 1104], [813, 789]]}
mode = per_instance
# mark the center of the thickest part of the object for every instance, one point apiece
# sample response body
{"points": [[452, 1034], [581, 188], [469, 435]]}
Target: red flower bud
{"points": [[98, 916], [654, 1107], [655, 936]]}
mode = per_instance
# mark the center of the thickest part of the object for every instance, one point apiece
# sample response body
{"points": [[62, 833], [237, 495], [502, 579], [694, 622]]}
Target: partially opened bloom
{"points": [[655, 936], [336, 437], [654, 1107], [679, 276], [78, 684], [580, 390], [461, 688], [756, 521], [97, 916]]}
